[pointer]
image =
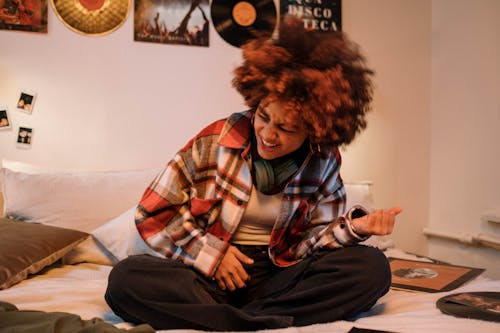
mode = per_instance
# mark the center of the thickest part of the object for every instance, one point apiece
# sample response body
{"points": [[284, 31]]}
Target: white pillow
{"points": [[120, 237], [75, 200], [358, 193], [31, 168], [91, 251], [72, 199], [111, 242]]}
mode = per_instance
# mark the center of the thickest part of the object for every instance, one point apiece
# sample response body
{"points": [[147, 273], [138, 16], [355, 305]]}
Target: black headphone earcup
{"points": [[263, 175]]}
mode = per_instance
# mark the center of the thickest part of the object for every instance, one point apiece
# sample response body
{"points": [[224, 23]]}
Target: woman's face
{"points": [[277, 133]]}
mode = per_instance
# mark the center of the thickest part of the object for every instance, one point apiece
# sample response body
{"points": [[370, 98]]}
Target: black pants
{"points": [[328, 286]]}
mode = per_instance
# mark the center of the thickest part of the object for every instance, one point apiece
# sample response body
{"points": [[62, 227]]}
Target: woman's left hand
{"points": [[378, 222]]}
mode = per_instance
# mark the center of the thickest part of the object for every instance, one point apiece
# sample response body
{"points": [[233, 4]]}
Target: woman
{"points": [[248, 218]]}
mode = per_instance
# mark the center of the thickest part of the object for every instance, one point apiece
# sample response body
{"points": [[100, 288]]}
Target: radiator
{"points": [[479, 239]]}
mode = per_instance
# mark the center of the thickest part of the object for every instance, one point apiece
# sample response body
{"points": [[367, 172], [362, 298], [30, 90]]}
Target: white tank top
{"points": [[258, 220]]}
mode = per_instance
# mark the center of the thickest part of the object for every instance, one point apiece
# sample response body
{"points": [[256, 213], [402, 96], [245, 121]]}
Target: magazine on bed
{"points": [[429, 277]]}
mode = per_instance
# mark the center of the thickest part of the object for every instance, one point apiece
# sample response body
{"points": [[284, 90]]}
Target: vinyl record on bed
{"points": [[482, 305], [92, 17], [239, 21]]}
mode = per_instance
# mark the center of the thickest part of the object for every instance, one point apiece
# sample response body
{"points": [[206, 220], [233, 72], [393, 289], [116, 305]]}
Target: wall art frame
{"points": [[30, 16]]}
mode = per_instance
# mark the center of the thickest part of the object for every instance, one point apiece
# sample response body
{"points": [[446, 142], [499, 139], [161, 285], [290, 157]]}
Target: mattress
{"points": [[79, 289]]}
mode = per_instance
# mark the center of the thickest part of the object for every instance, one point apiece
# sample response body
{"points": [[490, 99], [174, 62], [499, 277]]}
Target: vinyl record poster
{"points": [[238, 21], [182, 22], [317, 15]]}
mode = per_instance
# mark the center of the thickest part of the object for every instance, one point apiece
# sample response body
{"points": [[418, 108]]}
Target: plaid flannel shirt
{"points": [[194, 205]]}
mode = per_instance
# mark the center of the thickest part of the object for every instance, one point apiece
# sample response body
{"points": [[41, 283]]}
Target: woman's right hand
{"points": [[379, 222], [231, 273]]}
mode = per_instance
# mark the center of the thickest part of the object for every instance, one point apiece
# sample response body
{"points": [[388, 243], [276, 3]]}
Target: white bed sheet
{"points": [[80, 288]]}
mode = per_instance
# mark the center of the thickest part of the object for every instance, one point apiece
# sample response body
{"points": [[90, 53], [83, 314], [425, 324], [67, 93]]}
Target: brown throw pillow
{"points": [[26, 248]]}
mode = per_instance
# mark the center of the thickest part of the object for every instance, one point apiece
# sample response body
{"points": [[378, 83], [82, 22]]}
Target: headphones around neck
{"points": [[268, 175]]}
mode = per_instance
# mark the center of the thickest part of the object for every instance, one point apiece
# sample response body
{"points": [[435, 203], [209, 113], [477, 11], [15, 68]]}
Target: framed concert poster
{"points": [[184, 22], [23, 15]]}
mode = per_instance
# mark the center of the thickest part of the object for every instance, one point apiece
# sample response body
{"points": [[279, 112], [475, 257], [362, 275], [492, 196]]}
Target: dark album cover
{"points": [[182, 22], [317, 15], [476, 305], [429, 277], [23, 15]]}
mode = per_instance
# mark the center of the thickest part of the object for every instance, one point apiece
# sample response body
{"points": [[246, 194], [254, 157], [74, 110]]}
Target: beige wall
{"points": [[394, 150], [465, 155], [112, 103]]}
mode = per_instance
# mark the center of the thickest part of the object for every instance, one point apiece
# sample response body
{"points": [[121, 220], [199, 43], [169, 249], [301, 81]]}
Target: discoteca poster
{"points": [[317, 15], [182, 22], [23, 15]]}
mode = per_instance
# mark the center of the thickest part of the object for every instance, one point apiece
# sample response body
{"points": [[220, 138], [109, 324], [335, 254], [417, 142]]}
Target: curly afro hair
{"points": [[322, 77]]}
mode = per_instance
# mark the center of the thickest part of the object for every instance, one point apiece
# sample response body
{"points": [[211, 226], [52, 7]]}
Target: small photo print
{"points": [[416, 273], [24, 136], [4, 118], [26, 101]]}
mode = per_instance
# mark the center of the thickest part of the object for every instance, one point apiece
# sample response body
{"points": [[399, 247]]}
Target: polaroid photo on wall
{"points": [[26, 101], [24, 137], [4, 118]]}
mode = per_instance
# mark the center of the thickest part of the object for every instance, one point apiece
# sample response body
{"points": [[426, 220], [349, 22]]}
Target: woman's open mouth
{"points": [[267, 147]]}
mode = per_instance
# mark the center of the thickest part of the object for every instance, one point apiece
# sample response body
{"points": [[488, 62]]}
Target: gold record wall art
{"points": [[92, 17]]}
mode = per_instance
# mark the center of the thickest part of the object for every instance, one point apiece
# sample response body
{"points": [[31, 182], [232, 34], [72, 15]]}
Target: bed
{"points": [[71, 227]]}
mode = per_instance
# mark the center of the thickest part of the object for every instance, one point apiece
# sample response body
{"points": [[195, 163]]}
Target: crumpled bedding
{"points": [[13, 320]]}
